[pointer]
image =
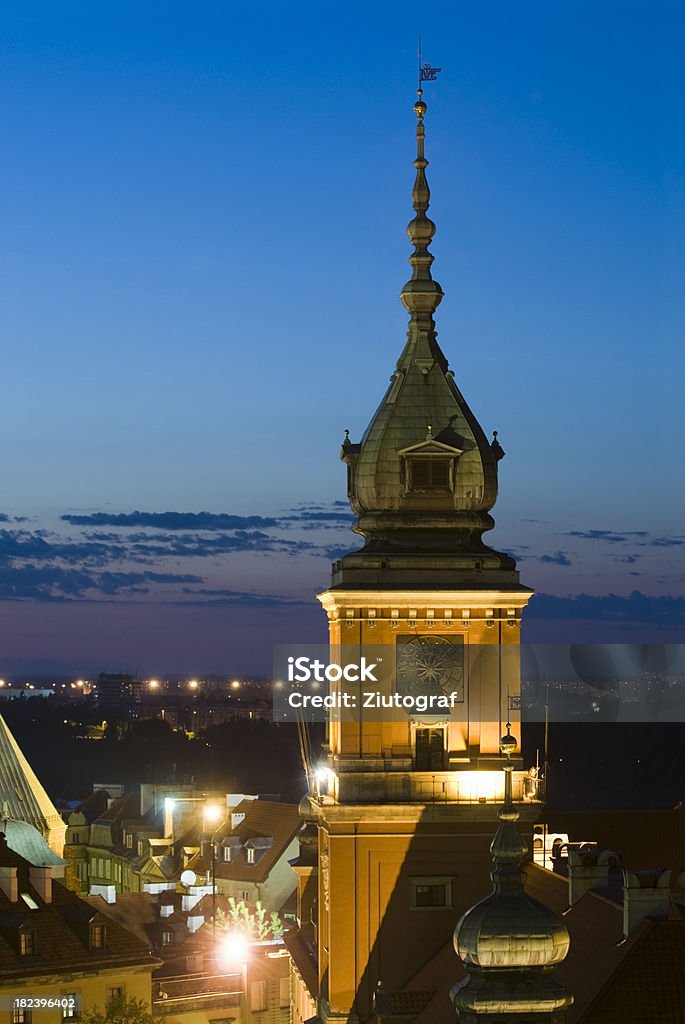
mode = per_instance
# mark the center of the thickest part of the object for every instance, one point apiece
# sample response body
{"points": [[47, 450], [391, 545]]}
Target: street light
{"points": [[235, 949]]}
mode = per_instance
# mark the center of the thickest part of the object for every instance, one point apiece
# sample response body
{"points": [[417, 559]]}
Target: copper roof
{"points": [[21, 794]]}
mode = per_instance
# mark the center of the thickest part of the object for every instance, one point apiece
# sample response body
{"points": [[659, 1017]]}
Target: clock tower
{"points": [[408, 806]]}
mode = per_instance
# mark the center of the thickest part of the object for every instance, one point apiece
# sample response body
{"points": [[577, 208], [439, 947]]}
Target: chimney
{"points": [[8, 883], [41, 880], [588, 868], [645, 894]]}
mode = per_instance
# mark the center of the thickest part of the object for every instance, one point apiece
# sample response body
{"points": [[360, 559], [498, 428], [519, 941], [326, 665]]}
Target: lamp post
{"points": [[212, 813]]}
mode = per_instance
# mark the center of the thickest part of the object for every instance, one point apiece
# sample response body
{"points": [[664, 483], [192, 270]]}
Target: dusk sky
{"points": [[203, 225]]}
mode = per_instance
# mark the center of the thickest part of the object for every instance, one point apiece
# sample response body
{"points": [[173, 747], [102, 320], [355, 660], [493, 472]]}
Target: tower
{"points": [[406, 816]]}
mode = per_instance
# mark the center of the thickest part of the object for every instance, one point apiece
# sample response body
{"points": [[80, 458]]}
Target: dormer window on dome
{"points": [[428, 467]]}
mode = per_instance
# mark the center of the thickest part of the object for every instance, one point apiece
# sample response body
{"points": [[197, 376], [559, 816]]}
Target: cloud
{"points": [[560, 558], [171, 520], [50, 583], [243, 599], [667, 542], [611, 536]]}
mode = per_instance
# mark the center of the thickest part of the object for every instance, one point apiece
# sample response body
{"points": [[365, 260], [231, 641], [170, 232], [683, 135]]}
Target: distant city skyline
{"points": [[204, 241]]}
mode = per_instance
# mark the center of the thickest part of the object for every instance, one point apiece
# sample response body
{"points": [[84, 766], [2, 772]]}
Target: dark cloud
{"points": [[170, 520], [667, 542], [318, 518], [243, 599], [50, 583], [560, 558], [23, 545], [611, 536], [638, 607]]}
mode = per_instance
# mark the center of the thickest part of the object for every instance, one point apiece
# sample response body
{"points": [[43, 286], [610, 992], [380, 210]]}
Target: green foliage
{"points": [[119, 1011], [256, 927]]}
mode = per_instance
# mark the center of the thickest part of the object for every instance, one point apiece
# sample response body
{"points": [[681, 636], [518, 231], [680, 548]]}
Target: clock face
{"points": [[431, 665]]}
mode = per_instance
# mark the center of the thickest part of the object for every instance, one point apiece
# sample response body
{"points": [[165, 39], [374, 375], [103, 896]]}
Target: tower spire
{"points": [[421, 295]]}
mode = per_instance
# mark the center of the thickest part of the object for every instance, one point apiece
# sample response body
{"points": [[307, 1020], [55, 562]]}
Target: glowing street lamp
{"points": [[234, 950], [193, 684]]}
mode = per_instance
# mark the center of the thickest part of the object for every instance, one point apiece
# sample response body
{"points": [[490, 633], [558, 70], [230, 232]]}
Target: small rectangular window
{"points": [[429, 474], [284, 992], [115, 994], [70, 1012], [21, 1016], [432, 893], [97, 936], [27, 943], [250, 855]]}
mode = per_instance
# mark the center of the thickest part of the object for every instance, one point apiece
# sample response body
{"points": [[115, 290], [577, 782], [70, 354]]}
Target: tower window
{"points": [[429, 474], [431, 893]]}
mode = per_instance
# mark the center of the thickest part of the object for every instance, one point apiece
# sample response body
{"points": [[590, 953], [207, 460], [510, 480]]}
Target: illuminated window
{"points": [[250, 855], [20, 1016], [167, 938], [97, 936], [27, 943], [70, 1012]]}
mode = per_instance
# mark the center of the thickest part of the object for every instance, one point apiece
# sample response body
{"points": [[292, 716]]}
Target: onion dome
{"points": [[509, 930]]}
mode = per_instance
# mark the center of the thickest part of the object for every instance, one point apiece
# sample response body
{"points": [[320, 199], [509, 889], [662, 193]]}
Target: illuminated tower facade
{"points": [[408, 811]]}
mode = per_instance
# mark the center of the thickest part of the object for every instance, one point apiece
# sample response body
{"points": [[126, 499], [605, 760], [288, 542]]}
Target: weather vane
{"points": [[427, 73]]}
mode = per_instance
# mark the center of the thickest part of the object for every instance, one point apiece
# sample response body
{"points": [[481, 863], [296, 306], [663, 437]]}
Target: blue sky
{"points": [[202, 247]]}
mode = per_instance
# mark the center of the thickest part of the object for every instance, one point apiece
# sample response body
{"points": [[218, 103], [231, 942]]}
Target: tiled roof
{"points": [[21, 794], [649, 985], [263, 819], [645, 839], [61, 930], [135, 911]]}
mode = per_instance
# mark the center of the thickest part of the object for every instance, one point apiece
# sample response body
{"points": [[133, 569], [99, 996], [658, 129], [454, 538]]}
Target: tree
{"points": [[254, 926], [119, 1011]]}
